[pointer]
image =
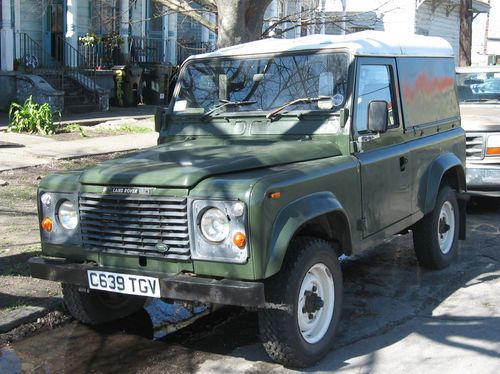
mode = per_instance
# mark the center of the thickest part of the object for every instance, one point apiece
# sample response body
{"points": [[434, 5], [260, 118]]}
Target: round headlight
{"points": [[68, 216], [214, 225]]}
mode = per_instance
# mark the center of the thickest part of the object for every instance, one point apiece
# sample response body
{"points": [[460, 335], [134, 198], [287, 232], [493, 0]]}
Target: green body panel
{"points": [[435, 174], [432, 156], [291, 218], [185, 163], [338, 177], [61, 182]]}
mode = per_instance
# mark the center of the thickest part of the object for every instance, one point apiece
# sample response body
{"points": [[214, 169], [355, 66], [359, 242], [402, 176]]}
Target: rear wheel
{"points": [[307, 298], [96, 307], [435, 237]]}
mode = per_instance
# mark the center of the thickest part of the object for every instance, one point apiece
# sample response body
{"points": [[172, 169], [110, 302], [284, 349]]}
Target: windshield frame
{"points": [[248, 113]]}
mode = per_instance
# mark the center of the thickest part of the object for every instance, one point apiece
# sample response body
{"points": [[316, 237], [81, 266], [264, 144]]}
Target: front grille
{"points": [[136, 224], [474, 146]]}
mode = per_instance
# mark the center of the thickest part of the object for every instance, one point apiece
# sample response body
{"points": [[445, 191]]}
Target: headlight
{"points": [[67, 214], [493, 145], [214, 225], [219, 231]]}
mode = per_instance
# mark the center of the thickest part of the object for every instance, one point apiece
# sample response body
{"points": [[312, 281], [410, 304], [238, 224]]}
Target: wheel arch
{"points": [[319, 214], [446, 169]]}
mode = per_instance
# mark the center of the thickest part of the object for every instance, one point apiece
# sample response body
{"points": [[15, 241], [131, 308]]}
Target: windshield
{"points": [[217, 86], [478, 87]]}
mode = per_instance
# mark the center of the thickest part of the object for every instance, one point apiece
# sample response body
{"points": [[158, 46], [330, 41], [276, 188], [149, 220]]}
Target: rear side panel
{"points": [[432, 119]]}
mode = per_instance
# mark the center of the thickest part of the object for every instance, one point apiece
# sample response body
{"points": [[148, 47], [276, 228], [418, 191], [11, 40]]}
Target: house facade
{"points": [[73, 44], [85, 38], [137, 26]]}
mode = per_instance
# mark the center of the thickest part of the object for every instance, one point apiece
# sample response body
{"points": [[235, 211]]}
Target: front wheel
{"points": [[306, 294], [96, 307], [435, 236]]}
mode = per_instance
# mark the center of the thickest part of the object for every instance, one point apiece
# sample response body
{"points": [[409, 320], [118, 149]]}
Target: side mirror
{"points": [[378, 116], [161, 118]]}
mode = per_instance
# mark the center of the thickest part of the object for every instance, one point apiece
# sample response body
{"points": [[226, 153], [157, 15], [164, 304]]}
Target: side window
{"points": [[374, 83]]}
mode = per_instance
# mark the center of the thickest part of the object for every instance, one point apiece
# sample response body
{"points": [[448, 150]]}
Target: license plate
{"points": [[124, 283]]}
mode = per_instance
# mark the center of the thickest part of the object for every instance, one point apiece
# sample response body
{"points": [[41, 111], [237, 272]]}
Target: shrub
{"points": [[32, 117]]}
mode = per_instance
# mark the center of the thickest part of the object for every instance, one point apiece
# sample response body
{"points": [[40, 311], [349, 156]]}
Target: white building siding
{"points": [[437, 20], [31, 19], [137, 18], [493, 45], [83, 17], [478, 50]]}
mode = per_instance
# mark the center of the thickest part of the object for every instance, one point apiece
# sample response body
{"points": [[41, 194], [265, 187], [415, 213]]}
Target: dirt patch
{"points": [[19, 233], [49, 321]]}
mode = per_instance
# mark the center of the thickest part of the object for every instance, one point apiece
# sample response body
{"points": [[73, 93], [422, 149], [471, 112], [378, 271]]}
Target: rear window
{"points": [[427, 89]]}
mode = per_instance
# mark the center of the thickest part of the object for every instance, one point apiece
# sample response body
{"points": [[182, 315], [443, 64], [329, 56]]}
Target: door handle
{"points": [[402, 163]]}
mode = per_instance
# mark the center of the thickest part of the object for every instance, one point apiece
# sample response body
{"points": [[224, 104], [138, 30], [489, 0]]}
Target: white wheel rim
{"points": [[319, 281], [446, 227]]}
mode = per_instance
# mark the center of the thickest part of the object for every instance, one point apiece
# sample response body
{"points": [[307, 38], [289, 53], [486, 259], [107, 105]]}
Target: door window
{"points": [[374, 83]]}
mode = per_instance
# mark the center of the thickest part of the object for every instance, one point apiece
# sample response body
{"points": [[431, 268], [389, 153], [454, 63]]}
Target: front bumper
{"points": [[483, 180], [179, 287]]}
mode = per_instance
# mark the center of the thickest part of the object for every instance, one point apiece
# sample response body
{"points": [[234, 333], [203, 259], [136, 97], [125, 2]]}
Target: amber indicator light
{"points": [[240, 240], [47, 224], [493, 151], [274, 195]]}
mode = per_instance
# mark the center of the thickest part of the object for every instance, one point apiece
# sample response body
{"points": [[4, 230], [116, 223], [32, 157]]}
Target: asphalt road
{"points": [[397, 317]]}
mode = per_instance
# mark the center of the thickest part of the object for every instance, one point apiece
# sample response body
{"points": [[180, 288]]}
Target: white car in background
{"points": [[479, 94]]}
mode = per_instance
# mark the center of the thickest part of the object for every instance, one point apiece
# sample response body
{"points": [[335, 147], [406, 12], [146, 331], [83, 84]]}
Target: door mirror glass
{"points": [[378, 115]]}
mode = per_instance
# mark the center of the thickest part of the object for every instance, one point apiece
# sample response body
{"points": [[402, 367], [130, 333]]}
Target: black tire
{"points": [[96, 307], [434, 240], [279, 329]]}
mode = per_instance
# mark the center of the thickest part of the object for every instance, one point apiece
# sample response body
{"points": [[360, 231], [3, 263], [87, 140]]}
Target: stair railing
{"points": [[33, 58], [77, 66]]}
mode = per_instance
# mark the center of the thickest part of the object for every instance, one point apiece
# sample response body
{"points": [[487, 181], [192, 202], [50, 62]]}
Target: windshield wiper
{"points": [[302, 100], [226, 103]]}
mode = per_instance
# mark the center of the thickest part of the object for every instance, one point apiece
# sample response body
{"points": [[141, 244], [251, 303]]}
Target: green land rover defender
{"points": [[274, 158]]}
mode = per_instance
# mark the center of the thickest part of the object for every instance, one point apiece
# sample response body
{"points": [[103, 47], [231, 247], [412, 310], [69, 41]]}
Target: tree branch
{"points": [[183, 6]]}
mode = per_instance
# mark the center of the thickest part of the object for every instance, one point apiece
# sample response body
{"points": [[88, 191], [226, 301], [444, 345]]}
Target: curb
{"points": [[96, 121], [93, 121], [27, 314]]}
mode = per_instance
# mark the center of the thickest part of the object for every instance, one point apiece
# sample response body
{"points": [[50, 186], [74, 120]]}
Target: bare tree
{"points": [[238, 21]]}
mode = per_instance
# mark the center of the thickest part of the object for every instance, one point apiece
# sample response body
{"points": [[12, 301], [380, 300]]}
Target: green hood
{"points": [[183, 164]]}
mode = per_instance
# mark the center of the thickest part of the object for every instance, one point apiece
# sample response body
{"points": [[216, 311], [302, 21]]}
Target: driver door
{"points": [[384, 158]]}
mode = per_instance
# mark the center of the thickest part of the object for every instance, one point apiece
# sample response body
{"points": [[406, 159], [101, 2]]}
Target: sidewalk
{"points": [[28, 150], [139, 112], [23, 150]]}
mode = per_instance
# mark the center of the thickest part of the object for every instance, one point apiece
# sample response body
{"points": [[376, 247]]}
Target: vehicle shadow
{"points": [[386, 294]]}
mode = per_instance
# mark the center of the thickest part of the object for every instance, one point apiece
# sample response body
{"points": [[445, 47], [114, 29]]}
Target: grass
{"points": [[9, 193], [134, 129], [72, 127]]}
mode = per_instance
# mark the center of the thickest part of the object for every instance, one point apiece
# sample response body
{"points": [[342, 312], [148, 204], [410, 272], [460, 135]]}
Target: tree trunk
{"points": [[465, 33], [239, 21]]}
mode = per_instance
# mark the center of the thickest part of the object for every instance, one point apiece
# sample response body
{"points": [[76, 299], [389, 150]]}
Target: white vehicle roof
{"points": [[364, 43]]}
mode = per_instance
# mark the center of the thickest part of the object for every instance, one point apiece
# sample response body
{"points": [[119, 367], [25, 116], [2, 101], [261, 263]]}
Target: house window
{"points": [[155, 16], [105, 17], [281, 9]]}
